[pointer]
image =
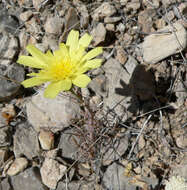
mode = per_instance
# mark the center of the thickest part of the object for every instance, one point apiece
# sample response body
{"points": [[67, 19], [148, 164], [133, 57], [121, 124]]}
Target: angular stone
{"points": [[25, 141], [115, 179], [51, 172], [99, 34], [29, 180], [159, 46], [53, 114], [8, 88]]}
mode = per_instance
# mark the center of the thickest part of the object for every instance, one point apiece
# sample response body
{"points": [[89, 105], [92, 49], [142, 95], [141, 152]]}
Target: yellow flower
{"points": [[63, 67]]}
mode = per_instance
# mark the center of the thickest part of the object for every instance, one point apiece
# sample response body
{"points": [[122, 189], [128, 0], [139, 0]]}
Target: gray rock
{"points": [[133, 5], [112, 152], [71, 20], [4, 185], [71, 185], [115, 179], [53, 114], [98, 85], [181, 90], [116, 76], [8, 23], [3, 156], [5, 136], [28, 180], [99, 34], [159, 46], [26, 141], [104, 10], [53, 25], [9, 89], [51, 172], [67, 144], [8, 49]]}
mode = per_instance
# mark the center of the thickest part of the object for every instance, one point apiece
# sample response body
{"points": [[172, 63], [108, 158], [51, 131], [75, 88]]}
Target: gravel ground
{"points": [[132, 132]]}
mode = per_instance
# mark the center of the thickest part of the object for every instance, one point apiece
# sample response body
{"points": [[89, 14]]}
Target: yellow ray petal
{"points": [[30, 62], [54, 88], [94, 63], [81, 80], [36, 53], [73, 40], [85, 40], [93, 53], [35, 81]]}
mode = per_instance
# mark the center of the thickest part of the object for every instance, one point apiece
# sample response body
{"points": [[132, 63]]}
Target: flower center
{"points": [[61, 70]]}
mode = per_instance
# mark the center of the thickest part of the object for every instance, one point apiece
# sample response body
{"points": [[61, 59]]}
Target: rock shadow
{"points": [[146, 93]]}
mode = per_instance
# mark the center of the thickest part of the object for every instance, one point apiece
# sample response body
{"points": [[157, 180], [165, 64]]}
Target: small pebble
{"points": [[17, 166]]}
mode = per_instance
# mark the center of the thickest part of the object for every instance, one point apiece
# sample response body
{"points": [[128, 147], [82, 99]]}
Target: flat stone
{"points": [[111, 19], [159, 46], [10, 89], [52, 172], [26, 141], [17, 166], [28, 180], [52, 114]]}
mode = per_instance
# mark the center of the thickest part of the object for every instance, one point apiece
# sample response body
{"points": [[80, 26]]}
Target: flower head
{"points": [[63, 67]]}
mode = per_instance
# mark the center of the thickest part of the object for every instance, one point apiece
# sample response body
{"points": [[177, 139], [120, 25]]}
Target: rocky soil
{"points": [[135, 137]]}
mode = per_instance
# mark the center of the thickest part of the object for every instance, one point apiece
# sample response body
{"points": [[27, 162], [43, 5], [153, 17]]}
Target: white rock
{"points": [[54, 114], [51, 172], [17, 166], [159, 46], [46, 139]]}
